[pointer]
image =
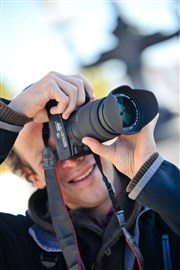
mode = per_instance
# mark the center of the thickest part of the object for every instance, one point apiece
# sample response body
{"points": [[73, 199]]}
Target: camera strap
{"points": [[120, 216], [61, 220]]}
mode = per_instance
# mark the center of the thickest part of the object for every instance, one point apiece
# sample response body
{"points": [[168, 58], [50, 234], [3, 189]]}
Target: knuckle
{"points": [[79, 80], [80, 76], [49, 79], [74, 90], [80, 83], [80, 100], [72, 107], [50, 75], [65, 100]]}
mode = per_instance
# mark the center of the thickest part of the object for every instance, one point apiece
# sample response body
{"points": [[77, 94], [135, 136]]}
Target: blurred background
{"points": [[111, 42]]}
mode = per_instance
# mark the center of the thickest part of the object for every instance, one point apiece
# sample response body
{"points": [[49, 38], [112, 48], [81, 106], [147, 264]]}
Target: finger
{"points": [[146, 132], [74, 89], [152, 124], [55, 92], [154, 121], [68, 91], [87, 86], [80, 81], [71, 92], [80, 90], [63, 92], [96, 147]]}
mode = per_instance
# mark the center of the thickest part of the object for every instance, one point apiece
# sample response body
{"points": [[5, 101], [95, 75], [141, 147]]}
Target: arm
{"points": [[154, 182], [158, 187]]}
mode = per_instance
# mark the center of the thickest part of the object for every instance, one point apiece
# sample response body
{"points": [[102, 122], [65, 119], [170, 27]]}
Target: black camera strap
{"points": [[61, 220], [120, 216], [60, 217]]}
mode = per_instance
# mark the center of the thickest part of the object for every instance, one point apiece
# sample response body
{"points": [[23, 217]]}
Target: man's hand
{"points": [[68, 91], [128, 152]]}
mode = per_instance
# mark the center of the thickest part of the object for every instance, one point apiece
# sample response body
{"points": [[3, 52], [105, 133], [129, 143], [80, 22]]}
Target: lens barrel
{"points": [[123, 111]]}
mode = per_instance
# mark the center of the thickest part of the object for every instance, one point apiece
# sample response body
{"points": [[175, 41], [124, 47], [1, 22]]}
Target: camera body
{"points": [[123, 111]]}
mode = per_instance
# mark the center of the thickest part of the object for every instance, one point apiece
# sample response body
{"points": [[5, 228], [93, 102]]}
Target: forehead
{"points": [[31, 129], [29, 136]]}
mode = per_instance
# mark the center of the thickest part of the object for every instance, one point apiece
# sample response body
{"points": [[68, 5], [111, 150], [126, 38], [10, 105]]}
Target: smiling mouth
{"points": [[83, 176]]}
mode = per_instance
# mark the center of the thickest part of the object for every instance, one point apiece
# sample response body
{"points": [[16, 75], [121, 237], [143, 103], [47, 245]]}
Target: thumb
{"points": [[97, 147]]}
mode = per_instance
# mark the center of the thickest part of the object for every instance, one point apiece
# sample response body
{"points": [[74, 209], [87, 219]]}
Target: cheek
{"points": [[42, 173], [58, 170], [51, 141]]}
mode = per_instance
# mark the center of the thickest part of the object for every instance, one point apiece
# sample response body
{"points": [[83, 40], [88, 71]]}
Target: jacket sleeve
{"points": [[159, 189], [7, 139], [11, 123]]}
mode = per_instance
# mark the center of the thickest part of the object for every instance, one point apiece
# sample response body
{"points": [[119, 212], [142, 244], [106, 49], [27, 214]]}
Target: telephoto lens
{"points": [[123, 111]]}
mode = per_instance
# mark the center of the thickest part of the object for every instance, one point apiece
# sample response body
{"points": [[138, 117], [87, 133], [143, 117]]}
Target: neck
{"points": [[101, 210], [106, 206]]}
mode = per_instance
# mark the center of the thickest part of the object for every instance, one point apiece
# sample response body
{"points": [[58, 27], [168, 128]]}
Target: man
{"points": [[140, 176]]}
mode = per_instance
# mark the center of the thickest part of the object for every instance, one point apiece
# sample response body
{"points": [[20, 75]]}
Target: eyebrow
{"points": [[24, 162]]}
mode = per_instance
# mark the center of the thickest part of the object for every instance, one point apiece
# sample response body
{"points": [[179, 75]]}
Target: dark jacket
{"points": [[27, 243], [99, 248]]}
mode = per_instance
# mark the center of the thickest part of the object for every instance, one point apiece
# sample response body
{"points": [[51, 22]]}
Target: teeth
{"points": [[84, 175]]}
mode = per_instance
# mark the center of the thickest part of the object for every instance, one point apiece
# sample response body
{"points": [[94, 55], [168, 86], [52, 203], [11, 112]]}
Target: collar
{"points": [[38, 209], [43, 233], [44, 239]]}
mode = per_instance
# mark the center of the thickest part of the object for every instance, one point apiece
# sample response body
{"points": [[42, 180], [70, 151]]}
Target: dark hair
{"points": [[17, 166]]}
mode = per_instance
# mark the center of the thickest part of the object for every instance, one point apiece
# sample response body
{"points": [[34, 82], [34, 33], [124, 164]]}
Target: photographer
{"points": [[146, 186]]}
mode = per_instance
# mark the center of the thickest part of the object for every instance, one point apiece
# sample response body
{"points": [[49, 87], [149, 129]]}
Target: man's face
{"points": [[81, 180]]}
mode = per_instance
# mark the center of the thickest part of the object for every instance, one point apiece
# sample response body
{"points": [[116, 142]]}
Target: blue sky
{"points": [[32, 43]]}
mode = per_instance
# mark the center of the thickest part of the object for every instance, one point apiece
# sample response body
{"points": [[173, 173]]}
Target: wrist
{"points": [[10, 116], [142, 171]]}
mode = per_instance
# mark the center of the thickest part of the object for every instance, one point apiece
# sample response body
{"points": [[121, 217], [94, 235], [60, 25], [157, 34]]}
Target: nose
{"points": [[71, 163]]}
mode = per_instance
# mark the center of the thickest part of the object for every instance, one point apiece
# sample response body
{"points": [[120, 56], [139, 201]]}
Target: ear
{"points": [[34, 178], [37, 181]]}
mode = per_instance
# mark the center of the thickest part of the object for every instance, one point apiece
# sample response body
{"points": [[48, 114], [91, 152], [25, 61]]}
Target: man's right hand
{"points": [[128, 152], [68, 91]]}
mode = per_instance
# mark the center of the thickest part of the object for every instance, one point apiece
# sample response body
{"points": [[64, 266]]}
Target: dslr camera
{"points": [[123, 111]]}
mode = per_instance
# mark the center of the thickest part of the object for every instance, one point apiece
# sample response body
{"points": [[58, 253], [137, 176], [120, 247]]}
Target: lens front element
{"points": [[128, 111]]}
